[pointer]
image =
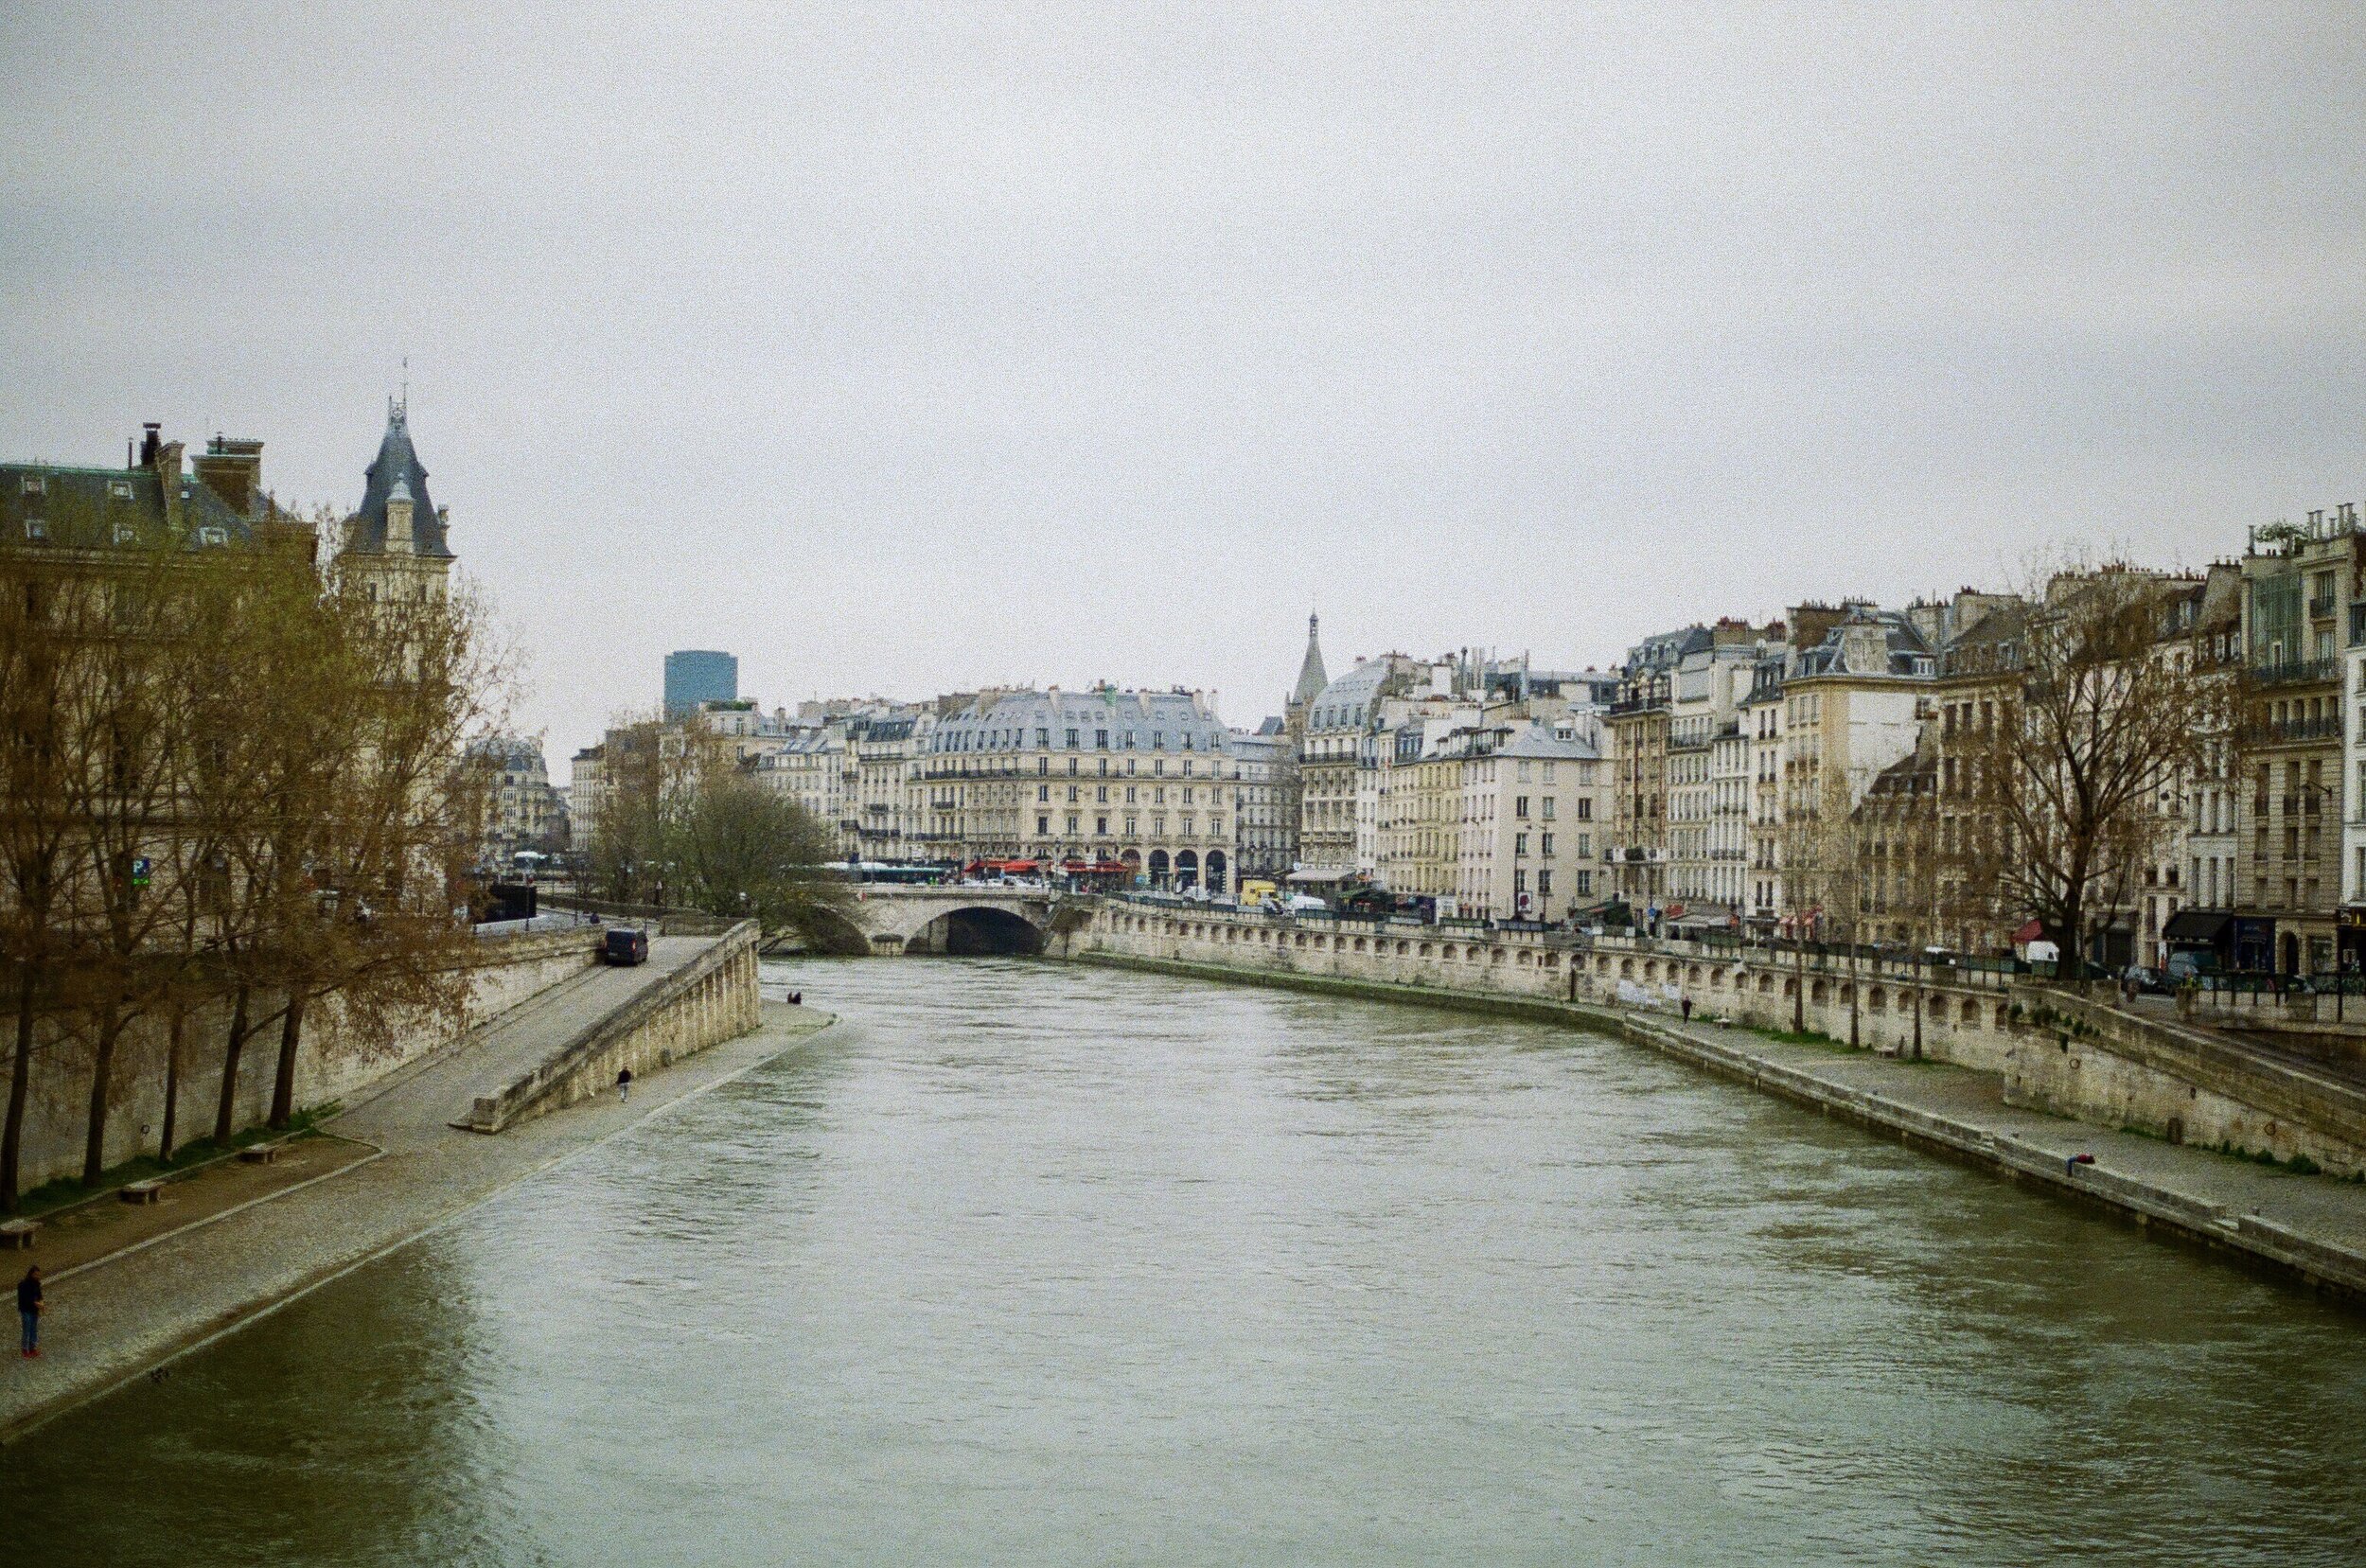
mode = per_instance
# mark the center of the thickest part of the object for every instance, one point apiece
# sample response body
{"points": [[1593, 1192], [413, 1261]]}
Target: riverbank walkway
{"points": [[115, 1319], [2309, 1226]]}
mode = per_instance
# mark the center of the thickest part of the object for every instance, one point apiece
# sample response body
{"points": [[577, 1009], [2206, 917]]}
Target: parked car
{"points": [[2149, 981], [1304, 904], [626, 946]]}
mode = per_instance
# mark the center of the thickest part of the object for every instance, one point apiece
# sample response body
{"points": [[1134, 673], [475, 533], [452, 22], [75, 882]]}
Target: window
{"points": [[1546, 844], [1548, 804], [1586, 808], [1071, 821], [1071, 794], [1543, 884], [1519, 843], [36, 530], [120, 489], [1043, 739], [1101, 740], [1042, 823], [1520, 807], [1071, 740], [35, 485], [1548, 772], [1043, 793], [1101, 795]]}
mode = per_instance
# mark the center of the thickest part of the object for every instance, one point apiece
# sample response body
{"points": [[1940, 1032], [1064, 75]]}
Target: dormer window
{"points": [[125, 534], [36, 530], [119, 489], [213, 533], [35, 484]]}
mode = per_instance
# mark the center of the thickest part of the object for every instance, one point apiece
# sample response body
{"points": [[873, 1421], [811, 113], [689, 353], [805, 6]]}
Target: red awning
{"points": [[1072, 865], [1016, 865], [2034, 931]]}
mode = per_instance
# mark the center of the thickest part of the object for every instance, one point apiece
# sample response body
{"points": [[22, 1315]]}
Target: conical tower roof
{"points": [[1311, 678], [398, 460]]}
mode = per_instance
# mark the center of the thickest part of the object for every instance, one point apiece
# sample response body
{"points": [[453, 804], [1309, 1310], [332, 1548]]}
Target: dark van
{"points": [[627, 946]]}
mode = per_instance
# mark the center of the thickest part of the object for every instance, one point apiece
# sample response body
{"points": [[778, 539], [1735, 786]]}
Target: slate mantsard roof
{"points": [[1135, 721], [75, 508]]}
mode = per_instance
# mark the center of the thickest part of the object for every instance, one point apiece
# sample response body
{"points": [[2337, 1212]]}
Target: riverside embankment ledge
{"points": [[1997, 1104]]}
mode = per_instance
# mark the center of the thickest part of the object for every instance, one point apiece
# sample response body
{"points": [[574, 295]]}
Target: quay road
{"points": [[115, 1319]]}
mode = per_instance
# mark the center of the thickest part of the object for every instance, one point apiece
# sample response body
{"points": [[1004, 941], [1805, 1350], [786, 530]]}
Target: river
{"points": [[1029, 1262]]}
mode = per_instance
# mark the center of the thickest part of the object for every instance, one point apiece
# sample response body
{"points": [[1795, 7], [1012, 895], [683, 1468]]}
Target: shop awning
{"points": [[2204, 927], [2034, 931]]}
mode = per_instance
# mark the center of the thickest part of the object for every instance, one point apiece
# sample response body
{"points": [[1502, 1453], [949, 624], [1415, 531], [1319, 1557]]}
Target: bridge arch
{"points": [[976, 930]]}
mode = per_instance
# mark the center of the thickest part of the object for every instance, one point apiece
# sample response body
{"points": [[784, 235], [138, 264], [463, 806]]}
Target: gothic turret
{"points": [[1312, 680]]}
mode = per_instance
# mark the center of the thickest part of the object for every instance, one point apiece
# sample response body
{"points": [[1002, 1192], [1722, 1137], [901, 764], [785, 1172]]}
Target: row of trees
{"points": [[684, 822], [228, 788]]}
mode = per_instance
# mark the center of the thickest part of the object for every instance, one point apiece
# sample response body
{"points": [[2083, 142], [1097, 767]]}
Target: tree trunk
{"points": [[101, 1071], [283, 1085], [226, 1117], [1799, 987], [172, 1086], [1854, 987], [20, 1085]]}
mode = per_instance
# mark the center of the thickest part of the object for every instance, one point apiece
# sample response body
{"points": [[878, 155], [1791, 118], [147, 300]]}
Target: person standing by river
{"points": [[624, 1085], [29, 1305]]}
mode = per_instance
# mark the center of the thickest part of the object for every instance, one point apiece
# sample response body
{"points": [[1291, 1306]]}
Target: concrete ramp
{"points": [[694, 993]]}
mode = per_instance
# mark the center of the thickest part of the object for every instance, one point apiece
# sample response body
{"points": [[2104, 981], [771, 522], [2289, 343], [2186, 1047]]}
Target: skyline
{"points": [[1107, 347]]}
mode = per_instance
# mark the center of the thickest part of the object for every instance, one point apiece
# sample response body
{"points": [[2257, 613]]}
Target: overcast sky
{"points": [[906, 349]]}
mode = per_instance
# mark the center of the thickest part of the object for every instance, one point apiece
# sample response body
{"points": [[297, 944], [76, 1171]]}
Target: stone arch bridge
{"points": [[893, 920]]}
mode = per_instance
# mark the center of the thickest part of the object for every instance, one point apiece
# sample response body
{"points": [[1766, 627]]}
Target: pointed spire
{"points": [[1311, 677]]}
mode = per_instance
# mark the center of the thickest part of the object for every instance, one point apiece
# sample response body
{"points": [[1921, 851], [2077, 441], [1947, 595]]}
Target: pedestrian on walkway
{"points": [[624, 1085], [28, 1303], [1686, 1006]]}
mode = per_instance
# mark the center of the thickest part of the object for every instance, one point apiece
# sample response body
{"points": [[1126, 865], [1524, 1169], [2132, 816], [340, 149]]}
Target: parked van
{"points": [[626, 946], [1253, 893]]}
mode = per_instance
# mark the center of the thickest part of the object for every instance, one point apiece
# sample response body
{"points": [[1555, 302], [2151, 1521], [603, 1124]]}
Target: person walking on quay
{"points": [[28, 1303], [1687, 1005], [624, 1085]]}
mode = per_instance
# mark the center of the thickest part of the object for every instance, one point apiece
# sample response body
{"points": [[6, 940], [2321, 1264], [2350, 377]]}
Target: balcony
{"points": [[2286, 731], [2293, 673]]}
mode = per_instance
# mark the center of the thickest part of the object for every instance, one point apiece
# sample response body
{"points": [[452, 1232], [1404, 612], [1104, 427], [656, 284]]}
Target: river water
{"points": [[1033, 1263]]}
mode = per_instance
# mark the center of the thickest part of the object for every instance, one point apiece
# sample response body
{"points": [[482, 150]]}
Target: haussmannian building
{"points": [[1143, 779]]}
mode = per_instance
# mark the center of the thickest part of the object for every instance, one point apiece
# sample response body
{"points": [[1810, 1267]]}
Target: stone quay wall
{"points": [[708, 1001], [2047, 1053], [334, 1063]]}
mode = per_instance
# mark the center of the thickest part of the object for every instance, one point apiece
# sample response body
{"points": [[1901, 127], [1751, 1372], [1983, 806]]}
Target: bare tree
{"points": [[2100, 717]]}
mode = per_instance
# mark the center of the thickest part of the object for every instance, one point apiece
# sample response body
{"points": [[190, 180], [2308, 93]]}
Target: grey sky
{"points": [[905, 349]]}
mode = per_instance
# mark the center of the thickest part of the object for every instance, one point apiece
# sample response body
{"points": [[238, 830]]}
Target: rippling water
{"points": [[1029, 1264]]}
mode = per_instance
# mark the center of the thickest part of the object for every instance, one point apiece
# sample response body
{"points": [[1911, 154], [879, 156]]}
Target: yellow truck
{"points": [[1255, 895]]}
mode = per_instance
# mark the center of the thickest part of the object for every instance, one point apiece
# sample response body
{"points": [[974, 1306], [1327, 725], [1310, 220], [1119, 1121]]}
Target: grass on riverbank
{"points": [[65, 1191]]}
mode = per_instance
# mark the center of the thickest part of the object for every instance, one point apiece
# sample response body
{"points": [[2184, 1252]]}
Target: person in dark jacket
{"points": [[624, 1085], [29, 1305]]}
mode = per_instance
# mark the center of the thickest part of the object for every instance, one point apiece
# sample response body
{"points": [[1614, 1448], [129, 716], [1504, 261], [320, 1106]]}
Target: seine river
{"points": [[1032, 1264]]}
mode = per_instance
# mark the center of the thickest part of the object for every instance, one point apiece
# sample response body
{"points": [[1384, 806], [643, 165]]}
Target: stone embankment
{"points": [[2029, 1059], [707, 1000], [502, 975], [693, 1006]]}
